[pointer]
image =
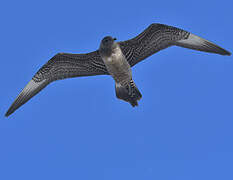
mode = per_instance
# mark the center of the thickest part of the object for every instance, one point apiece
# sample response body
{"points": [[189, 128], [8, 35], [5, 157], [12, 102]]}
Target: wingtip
{"points": [[31, 89], [224, 52], [228, 53], [7, 114], [217, 49], [197, 43]]}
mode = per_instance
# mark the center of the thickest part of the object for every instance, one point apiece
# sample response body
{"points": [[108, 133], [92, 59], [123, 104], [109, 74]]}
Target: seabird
{"points": [[115, 59]]}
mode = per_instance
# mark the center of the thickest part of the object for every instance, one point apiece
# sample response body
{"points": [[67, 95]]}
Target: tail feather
{"points": [[128, 92], [200, 44]]}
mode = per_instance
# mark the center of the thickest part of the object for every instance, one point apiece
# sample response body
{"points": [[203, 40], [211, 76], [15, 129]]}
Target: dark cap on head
{"points": [[108, 40], [107, 44]]}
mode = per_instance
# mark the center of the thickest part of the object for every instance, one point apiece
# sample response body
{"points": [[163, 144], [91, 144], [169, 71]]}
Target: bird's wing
{"points": [[62, 65], [159, 36]]}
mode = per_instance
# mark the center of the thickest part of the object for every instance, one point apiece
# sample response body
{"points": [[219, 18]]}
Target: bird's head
{"points": [[108, 42]]}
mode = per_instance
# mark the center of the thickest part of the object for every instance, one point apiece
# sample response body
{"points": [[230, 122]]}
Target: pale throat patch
{"points": [[115, 56]]}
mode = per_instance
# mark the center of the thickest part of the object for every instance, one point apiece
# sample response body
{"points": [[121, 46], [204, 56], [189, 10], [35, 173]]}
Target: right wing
{"points": [[61, 66]]}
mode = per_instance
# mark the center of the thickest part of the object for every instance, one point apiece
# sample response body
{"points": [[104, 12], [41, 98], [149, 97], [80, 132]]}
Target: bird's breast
{"points": [[117, 65], [116, 58]]}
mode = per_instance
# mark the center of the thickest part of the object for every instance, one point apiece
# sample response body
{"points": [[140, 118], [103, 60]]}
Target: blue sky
{"points": [[77, 129]]}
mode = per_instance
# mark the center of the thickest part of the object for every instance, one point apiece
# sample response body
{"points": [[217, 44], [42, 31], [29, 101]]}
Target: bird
{"points": [[115, 59]]}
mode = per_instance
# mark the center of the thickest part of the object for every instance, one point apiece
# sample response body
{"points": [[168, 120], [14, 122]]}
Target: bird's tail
{"points": [[200, 44], [128, 92]]}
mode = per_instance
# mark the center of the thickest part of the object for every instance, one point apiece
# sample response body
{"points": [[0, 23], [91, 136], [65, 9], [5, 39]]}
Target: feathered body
{"points": [[119, 68]]}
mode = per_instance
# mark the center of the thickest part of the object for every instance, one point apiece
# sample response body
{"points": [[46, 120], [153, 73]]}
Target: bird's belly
{"points": [[118, 67]]}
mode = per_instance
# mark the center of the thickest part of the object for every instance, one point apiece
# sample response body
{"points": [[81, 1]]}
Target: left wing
{"points": [[159, 36]]}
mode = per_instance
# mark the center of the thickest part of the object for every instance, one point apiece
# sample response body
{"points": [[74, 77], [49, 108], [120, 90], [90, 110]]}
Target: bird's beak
{"points": [[114, 39]]}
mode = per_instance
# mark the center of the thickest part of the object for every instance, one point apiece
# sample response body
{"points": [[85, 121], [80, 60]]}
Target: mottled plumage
{"points": [[119, 68], [153, 39]]}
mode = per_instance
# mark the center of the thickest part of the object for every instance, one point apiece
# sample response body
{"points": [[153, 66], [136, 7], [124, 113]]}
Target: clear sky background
{"points": [[77, 128]]}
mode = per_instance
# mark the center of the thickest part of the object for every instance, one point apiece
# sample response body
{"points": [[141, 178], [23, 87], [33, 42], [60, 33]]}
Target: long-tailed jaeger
{"points": [[115, 59]]}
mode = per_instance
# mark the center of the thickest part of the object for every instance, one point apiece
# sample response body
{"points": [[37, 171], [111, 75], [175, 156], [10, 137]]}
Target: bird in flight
{"points": [[115, 59]]}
